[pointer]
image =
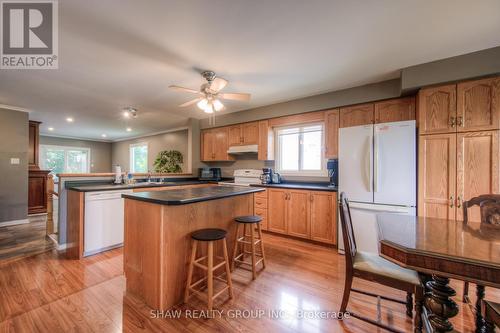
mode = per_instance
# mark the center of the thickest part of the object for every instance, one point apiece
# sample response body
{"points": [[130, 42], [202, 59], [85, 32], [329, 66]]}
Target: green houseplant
{"points": [[168, 161]]}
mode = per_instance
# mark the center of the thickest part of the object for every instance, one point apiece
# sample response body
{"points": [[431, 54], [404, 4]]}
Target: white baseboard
{"points": [[15, 222], [62, 247]]}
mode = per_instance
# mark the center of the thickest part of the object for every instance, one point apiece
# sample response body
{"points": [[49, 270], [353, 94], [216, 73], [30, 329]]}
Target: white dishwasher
{"points": [[104, 221]]}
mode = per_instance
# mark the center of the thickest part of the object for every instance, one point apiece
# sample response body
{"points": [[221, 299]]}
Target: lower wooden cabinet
{"points": [[260, 205], [302, 213], [37, 191]]}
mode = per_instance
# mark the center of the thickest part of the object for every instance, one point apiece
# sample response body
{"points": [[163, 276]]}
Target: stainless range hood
{"points": [[248, 149]]}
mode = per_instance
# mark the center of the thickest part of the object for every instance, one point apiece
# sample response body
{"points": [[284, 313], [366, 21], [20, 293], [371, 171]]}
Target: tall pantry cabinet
{"points": [[459, 153]]}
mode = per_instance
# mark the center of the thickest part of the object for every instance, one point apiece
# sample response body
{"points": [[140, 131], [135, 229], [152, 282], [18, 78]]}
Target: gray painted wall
{"points": [[177, 140], [14, 178], [100, 152], [471, 65]]}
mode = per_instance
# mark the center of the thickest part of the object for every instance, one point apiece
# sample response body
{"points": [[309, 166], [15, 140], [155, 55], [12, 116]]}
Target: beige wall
{"points": [[100, 152], [13, 177], [177, 140]]}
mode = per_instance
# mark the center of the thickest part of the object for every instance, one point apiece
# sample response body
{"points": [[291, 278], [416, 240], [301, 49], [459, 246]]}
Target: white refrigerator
{"points": [[378, 173]]}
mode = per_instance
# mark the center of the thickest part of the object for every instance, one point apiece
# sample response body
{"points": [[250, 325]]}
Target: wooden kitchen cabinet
{"points": [[215, 144], [298, 213], [478, 105], [437, 109], [244, 134], [37, 191], [400, 109], [437, 176], [261, 205], [356, 115], [332, 133], [323, 216], [277, 211], [266, 140], [477, 168], [33, 144]]}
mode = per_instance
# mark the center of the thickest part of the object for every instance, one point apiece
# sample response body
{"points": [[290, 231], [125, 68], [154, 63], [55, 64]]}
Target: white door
{"points": [[355, 162], [395, 163]]}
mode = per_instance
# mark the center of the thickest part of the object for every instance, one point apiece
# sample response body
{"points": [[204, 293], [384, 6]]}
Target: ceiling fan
{"points": [[210, 93]]}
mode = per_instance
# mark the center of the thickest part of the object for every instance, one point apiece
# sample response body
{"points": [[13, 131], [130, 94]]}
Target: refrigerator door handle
{"points": [[375, 163], [368, 164]]}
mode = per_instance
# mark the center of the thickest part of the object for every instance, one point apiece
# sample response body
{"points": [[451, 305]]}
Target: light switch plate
{"points": [[15, 160]]}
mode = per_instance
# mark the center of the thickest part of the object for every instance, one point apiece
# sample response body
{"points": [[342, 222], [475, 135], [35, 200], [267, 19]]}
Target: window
{"points": [[300, 150], [65, 159], [139, 157]]}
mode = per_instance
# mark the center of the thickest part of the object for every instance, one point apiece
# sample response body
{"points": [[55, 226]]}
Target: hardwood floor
{"points": [[47, 293], [23, 240]]}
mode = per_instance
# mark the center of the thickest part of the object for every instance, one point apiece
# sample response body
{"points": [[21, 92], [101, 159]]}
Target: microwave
{"points": [[209, 174]]}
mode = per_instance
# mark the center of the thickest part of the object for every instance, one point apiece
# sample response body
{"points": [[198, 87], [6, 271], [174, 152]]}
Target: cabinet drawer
{"points": [[260, 202], [262, 213], [262, 194]]}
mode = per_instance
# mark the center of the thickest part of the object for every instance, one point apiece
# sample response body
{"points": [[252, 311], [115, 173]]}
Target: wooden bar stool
{"points": [[240, 244], [209, 236]]}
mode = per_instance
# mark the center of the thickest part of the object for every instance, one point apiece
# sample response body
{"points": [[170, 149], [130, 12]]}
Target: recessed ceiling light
{"points": [[69, 120], [130, 112], [50, 129], [103, 135], [129, 129]]}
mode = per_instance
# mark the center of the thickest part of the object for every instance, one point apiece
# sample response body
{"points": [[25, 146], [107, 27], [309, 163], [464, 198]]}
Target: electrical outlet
{"points": [[15, 160]]}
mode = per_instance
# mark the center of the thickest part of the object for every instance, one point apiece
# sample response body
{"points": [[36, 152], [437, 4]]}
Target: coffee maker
{"points": [[267, 176], [332, 166]]}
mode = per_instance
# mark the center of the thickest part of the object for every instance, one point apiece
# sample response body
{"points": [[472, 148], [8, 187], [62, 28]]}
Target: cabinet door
{"points": [[221, 144], [478, 105], [207, 145], [33, 144], [235, 138], [265, 152], [37, 193], [400, 109], [324, 217], [436, 173], [356, 115], [250, 133], [477, 169], [298, 214], [437, 109], [331, 133], [277, 210]]}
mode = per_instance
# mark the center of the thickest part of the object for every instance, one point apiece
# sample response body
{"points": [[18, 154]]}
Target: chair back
{"points": [[489, 205], [347, 229]]}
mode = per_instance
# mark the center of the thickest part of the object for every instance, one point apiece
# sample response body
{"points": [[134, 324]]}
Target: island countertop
{"points": [[192, 195]]}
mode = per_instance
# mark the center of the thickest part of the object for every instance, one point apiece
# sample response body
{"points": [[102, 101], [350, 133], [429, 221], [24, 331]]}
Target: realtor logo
{"points": [[29, 35]]}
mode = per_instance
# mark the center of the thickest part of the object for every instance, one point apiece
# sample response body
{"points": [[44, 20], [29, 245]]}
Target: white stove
{"points": [[245, 177]]}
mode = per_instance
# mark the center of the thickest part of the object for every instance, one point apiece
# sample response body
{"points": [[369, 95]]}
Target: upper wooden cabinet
{"points": [[244, 134], [33, 145], [356, 115], [478, 105], [331, 133], [437, 109], [400, 109], [266, 140], [215, 144], [437, 175]]}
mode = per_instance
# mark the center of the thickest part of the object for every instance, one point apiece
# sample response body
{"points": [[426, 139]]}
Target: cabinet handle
{"points": [[451, 201], [459, 201], [460, 121], [452, 121]]}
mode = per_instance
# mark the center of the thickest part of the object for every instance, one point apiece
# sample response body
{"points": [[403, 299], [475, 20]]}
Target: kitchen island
{"points": [[157, 243]]}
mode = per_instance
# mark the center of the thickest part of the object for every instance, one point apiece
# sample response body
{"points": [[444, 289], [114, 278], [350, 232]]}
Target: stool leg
{"points": [[235, 247], [243, 245], [190, 270], [259, 229], [252, 240], [228, 271], [210, 271]]}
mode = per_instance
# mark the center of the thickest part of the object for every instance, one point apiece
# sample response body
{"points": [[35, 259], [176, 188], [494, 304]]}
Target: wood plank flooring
{"points": [[24, 240], [47, 293]]}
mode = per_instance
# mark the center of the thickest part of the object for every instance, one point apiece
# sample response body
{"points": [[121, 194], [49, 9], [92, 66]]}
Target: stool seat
{"points": [[207, 235], [248, 219]]}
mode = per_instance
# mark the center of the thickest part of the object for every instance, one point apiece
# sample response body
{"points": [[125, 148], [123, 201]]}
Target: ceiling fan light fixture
{"points": [[209, 108], [202, 104], [218, 106]]}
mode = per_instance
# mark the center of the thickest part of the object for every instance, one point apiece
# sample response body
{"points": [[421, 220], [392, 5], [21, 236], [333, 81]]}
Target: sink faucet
{"points": [[149, 176]]}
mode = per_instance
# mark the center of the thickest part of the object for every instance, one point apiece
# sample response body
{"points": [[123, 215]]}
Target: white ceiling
{"points": [[116, 53]]}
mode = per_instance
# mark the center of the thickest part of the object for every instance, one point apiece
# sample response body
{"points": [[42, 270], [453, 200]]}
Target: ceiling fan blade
{"points": [[178, 88], [191, 102], [218, 84], [235, 96]]}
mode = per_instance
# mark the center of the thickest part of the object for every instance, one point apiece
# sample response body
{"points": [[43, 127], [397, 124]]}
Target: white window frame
{"points": [[305, 173], [66, 149], [131, 156]]}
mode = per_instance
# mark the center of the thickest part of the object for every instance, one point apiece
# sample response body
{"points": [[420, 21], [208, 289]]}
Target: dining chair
{"points": [[489, 207], [372, 267]]}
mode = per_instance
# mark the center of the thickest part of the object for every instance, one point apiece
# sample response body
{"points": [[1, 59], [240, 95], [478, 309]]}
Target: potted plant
{"points": [[168, 161]]}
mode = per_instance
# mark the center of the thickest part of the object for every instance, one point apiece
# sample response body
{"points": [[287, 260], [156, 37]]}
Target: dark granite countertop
{"points": [[315, 186], [111, 187], [191, 195]]}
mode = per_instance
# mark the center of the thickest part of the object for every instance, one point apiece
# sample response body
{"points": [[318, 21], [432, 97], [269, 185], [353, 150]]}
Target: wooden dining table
{"points": [[442, 249]]}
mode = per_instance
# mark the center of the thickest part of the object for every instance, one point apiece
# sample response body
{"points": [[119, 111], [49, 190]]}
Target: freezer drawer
{"points": [[364, 222]]}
